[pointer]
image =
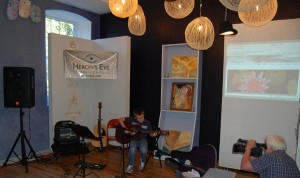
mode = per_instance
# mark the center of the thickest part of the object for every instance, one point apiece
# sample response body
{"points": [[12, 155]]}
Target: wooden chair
{"points": [[112, 124]]}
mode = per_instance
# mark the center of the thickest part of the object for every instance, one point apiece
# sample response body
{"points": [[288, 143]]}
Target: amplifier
{"points": [[64, 135]]}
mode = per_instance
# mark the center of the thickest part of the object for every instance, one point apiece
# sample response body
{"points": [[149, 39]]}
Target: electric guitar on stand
{"points": [[99, 131]]}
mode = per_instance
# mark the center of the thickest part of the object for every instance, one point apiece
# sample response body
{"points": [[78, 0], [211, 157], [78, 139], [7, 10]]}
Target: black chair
{"points": [[201, 158]]}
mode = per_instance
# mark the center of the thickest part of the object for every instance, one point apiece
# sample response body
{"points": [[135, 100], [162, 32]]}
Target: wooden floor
{"points": [[64, 167]]}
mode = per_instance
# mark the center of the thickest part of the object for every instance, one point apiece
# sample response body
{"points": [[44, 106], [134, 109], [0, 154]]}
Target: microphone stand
{"points": [[123, 154]]}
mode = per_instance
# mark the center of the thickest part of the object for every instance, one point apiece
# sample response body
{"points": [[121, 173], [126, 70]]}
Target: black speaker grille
{"points": [[18, 83]]}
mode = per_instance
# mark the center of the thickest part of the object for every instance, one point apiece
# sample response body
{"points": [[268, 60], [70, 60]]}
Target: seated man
{"points": [[137, 141], [274, 163]]}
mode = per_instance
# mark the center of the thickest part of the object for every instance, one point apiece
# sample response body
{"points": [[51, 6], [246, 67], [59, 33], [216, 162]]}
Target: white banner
{"points": [[91, 65]]}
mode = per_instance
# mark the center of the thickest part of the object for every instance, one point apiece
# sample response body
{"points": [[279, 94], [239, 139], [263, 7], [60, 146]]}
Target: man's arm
{"points": [[245, 164], [121, 121]]}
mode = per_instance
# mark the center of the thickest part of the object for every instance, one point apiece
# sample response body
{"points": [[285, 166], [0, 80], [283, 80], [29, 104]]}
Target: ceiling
{"points": [[96, 6]]}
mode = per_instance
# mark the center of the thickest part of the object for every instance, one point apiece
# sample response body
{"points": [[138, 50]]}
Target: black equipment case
{"points": [[65, 140]]}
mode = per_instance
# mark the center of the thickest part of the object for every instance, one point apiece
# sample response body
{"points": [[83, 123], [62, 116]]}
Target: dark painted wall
{"points": [[162, 29], [22, 44]]}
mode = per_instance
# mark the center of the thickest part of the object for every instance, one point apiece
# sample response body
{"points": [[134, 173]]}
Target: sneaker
{"points": [[129, 169], [142, 165]]}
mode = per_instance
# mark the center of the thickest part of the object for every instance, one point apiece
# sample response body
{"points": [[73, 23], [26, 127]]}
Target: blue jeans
{"points": [[142, 144]]}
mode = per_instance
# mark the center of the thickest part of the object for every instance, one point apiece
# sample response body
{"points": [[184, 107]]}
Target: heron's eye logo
{"points": [[92, 58]]}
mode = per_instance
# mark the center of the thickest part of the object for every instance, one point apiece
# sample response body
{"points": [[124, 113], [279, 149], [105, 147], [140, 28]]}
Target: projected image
{"points": [[264, 83], [265, 70]]}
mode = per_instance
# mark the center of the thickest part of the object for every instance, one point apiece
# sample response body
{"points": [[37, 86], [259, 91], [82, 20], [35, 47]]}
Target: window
{"points": [[64, 23]]}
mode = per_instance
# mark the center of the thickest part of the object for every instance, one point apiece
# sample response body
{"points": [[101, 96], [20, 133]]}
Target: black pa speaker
{"points": [[18, 86]]}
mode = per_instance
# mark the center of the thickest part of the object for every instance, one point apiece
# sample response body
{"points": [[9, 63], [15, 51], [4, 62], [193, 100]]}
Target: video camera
{"points": [[240, 147]]}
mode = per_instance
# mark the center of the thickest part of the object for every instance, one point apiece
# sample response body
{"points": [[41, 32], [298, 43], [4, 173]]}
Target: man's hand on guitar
{"points": [[153, 134], [126, 131]]}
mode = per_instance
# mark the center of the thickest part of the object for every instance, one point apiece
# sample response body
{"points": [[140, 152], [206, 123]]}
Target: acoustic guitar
{"points": [[135, 133], [99, 129]]}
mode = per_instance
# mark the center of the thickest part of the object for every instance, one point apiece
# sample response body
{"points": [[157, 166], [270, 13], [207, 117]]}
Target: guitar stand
{"points": [[23, 148], [83, 132], [101, 148]]}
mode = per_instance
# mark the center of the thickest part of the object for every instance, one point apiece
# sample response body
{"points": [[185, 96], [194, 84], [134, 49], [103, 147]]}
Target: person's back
{"points": [[277, 164]]}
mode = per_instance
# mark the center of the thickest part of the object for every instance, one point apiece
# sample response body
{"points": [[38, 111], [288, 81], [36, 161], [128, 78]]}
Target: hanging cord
{"points": [[225, 13], [200, 7]]}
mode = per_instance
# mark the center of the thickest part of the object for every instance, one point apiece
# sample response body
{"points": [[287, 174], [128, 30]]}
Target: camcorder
{"points": [[240, 147]]}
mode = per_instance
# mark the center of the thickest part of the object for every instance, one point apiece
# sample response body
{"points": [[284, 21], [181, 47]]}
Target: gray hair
{"points": [[276, 142]]}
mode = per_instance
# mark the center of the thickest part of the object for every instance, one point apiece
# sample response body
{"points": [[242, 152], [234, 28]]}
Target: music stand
{"points": [[83, 132]]}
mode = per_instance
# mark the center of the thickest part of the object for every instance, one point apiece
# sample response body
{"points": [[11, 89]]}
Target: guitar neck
{"points": [[100, 107], [161, 132]]}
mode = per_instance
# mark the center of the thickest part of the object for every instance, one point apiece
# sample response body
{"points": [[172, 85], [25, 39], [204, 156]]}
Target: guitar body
{"points": [[125, 138], [135, 134], [96, 143]]}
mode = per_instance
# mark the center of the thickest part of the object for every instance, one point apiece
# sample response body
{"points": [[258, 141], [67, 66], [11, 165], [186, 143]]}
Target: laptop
{"points": [[219, 173]]}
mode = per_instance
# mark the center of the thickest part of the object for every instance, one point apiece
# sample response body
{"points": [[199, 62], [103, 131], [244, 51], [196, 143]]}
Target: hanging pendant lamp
{"points": [[234, 4], [226, 28], [261, 15], [251, 5], [199, 33], [137, 22], [123, 8], [179, 9], [231, 4]]}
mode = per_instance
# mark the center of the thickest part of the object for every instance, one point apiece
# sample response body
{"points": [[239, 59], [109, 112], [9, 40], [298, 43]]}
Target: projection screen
{"points": [[260, 86]]}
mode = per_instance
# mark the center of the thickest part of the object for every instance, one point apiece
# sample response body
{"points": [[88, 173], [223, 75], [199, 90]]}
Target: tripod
{"points": [[83, 132], [23, 148]]}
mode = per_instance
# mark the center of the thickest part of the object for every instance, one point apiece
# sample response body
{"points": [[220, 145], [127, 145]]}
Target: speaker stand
{"points": [[23, 138]]}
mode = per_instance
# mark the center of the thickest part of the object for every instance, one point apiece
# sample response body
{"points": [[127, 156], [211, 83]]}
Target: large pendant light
{"points": [[261, 15], [251, 5], [179, 9], [199, 34], [123, 8], [234, 4], [137, 22], [231, 4]]}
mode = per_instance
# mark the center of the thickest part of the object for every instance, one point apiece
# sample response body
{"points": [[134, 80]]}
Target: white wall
{"points": [[114, 94]]}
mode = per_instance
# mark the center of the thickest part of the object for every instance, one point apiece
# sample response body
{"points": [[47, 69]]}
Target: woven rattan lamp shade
{"points": [[137, 22], [123, 8], [261, 16], [234, 4], [231, 4], [180, 8], [199, 34]]}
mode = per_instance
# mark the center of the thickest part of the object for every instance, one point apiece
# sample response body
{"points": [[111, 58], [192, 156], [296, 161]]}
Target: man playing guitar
{"points": [[130, 126]]}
